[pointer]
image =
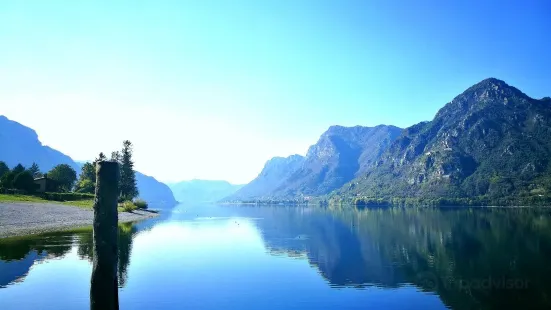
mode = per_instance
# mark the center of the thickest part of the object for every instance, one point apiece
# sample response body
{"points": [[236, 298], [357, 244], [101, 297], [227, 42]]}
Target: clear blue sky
{"points": [[213, 89]]}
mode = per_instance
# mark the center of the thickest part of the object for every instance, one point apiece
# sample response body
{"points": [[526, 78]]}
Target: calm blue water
{"points": [[261, 257]]}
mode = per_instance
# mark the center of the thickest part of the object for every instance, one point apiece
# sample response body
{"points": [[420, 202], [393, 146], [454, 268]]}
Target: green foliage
{"points": [[127, 206], [88, 172], [101, 157], [116, 156], [127, 184], [35, 171], [376, 202], [140, 203], [64, 175], [18, 169], [87, 180], [6, 181], [24, 181], [297, 201], [528, 200], [3, 169], [85, 186], [66, 196]]}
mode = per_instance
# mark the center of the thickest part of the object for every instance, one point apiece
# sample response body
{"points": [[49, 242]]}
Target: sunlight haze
{"points": [[214, 89]]}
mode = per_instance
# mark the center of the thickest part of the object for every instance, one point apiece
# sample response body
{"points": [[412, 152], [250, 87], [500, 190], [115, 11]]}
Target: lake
{"points": [[284, 257]]}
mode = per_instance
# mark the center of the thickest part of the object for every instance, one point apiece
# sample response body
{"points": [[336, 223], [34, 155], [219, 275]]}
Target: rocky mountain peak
{"points": [[491, 140], [492, 89]]}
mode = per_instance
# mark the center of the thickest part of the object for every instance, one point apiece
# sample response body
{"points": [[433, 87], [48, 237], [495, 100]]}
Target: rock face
{"points": [[202, 190], [340, 154], [20, 144], [491, 140]]}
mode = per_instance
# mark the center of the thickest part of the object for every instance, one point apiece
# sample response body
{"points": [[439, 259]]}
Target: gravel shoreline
{"points": [[28, 218]]}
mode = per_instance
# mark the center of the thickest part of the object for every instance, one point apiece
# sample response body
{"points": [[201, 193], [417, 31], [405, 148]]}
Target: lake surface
{"points": [[280, 257]]}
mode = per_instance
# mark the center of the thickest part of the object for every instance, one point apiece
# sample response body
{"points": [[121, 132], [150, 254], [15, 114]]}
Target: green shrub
{"points": [[140, 203], [67, 196], [127, 206], [85, 186], [24, 181], [7, 180]]}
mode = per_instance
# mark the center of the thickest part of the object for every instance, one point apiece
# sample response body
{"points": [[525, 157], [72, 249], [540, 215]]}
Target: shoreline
{"points": [[30, 218]]}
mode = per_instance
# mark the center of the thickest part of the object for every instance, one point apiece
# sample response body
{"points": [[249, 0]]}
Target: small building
{"points": [[43, 184]]}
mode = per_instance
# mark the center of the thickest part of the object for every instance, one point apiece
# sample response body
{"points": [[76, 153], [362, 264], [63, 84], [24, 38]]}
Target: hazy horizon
{"points": [[212, 90]]}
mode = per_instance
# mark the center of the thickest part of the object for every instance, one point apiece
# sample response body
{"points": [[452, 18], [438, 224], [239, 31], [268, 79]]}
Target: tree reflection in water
{"points": [[18, 254]]}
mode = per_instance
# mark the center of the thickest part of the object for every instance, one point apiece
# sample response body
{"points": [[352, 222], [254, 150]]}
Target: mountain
{"points": [[12, 271], [340, 154], [274, 173], [20, 144], [490, 141], [154, 191], [202, 190]]}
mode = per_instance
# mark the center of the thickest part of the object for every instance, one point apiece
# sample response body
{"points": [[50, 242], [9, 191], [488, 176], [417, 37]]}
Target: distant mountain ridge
{"points": [[340, 154], [275, 172], [492, 140], [490, 143], [202, 190], [20, 144]]}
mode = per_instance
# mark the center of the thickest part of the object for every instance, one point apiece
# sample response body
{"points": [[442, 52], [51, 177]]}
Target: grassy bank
{"points": [[87, 203], [127, 206], [20, 198]]}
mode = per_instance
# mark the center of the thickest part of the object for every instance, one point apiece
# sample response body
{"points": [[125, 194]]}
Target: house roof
{"points": [[45, 178]]}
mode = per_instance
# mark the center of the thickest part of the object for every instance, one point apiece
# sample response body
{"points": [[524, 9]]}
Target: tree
{"points": [[127, 184], [85, 186], [3, 169], [87, 179], [18, 169], [88, 172], [116, 156], [24, 181], [101, 157], [35, 171], [64, 175], [7, 180]]}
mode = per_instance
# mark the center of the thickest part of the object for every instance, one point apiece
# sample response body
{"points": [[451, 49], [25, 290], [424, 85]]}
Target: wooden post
{"points": [[104, 292]]}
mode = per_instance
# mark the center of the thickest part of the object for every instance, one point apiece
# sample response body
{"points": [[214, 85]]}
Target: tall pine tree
{"points": [[35, 171], [116, 156], [127, 184], [100, 158]]}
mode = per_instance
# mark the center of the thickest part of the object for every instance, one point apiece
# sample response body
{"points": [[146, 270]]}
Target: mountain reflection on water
{"points": [[475, 258]]}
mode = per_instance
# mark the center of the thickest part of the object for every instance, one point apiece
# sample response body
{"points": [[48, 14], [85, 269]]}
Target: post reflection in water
{"points": [[19, 254]]}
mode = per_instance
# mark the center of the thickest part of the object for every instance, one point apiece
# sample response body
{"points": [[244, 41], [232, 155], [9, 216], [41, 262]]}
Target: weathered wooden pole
{"points": [[104, 292]]}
